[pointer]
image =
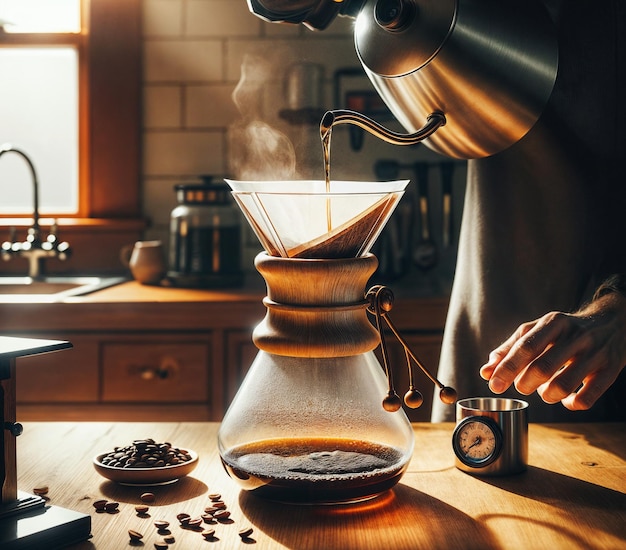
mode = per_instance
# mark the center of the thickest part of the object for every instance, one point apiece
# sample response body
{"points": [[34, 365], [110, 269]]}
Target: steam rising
{"points": [[257, 151]]}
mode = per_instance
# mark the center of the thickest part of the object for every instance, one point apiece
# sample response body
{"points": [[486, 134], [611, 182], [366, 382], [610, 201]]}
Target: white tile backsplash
{"points": [[333, 53], [184, 154], [158, 194], [209, 106], [162, 18], [228, 18], [162, 106], [175, 60]]}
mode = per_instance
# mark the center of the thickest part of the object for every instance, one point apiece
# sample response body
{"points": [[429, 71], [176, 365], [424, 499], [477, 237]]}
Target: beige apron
{"points": [[544, 222]]}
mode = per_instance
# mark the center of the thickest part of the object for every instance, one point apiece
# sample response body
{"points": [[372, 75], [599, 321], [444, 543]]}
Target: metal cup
{"points": [[511, 416]]}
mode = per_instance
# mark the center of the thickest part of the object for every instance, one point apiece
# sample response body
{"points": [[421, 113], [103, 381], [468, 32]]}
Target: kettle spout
{"points": [[342, 116]]}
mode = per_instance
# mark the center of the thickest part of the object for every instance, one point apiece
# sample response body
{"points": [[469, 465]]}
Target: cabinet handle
{"points": [[15, 428], [167, 368]]}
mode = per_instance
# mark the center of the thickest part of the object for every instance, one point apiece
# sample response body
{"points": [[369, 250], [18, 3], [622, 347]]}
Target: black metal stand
{"points": [[26, 522]]}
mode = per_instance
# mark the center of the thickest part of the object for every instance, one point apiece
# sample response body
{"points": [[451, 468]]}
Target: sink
{"points": [[51, 289]]}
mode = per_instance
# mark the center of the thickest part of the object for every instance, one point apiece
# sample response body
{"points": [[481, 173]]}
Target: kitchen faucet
{"points": [[33, 248]]}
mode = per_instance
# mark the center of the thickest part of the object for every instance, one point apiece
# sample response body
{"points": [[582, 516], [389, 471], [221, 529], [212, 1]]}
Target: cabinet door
{"points": [[68, 376], [240, 353], [156, 369]]}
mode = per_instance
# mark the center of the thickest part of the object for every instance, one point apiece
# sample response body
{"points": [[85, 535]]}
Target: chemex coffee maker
{"points": [[317, 420]]}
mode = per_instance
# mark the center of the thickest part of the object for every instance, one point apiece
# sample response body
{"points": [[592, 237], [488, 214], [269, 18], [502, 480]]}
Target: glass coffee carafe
{"points": [[307, 424]]}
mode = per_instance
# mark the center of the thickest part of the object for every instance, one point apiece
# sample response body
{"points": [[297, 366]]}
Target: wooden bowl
{"points": [[145, 476]]}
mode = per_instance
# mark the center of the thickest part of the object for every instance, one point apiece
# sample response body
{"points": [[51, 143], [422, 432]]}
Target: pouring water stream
{"points": [[344, 116]]}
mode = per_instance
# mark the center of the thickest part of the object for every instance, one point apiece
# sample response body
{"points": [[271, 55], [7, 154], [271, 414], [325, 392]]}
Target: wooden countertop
{"points": [[131, 304], [132, 291], [572, 496]]}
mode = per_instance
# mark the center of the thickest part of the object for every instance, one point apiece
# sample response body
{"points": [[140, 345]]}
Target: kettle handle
{"points": [[343, 116]]}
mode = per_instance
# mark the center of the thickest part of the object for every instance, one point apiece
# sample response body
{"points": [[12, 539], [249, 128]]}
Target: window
{"points": [[39, 104], [41, 16], [102, 211]]}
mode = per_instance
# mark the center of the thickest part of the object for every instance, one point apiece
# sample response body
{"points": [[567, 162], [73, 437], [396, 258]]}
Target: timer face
{"points": [[477, 441]]}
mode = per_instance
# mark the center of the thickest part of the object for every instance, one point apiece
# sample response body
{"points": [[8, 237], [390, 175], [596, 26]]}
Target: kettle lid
{"points": [[414, 31]]}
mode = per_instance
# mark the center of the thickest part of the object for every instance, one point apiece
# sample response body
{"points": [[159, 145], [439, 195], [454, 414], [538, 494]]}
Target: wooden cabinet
{"points": [[241, 352], [162, 354], [113, 376], [68, 376]]}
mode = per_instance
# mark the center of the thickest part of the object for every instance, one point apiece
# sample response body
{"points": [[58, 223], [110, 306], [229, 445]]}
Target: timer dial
{"points": [[477, 441]]}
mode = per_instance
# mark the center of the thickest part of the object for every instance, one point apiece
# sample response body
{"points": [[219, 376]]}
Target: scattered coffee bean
{"points": [[215, 512], [161, 524], [41, 490], [194, 523], [145, 453], [183, 518], [208, 518], [221, 515], [135, 536], [111, 507], [99, 504]]}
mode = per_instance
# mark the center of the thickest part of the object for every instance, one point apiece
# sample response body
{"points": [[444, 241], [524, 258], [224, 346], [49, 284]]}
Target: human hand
{"points": [[571, 358]]}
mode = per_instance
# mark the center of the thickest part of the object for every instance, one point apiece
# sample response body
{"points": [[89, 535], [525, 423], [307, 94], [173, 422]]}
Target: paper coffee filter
{"points": [[300, 219], [307, 187]]}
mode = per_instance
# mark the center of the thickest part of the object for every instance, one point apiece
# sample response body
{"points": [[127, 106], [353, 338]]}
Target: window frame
{"points": [[110, 92]]}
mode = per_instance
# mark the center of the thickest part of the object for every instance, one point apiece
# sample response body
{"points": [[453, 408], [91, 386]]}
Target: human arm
{"points": [[572, 358]]}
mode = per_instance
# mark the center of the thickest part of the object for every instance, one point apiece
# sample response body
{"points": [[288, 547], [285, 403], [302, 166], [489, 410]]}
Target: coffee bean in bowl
{"points": [[146, 462]]}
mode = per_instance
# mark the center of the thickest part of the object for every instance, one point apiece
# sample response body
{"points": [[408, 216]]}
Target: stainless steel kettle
{"points": [[487, 66]]}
